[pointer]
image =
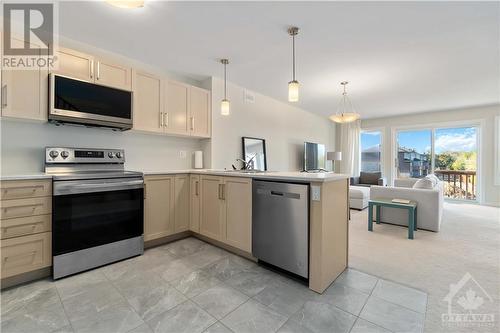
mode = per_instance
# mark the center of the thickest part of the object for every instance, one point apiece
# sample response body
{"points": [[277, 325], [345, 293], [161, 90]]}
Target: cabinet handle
{"points": [[223, 187], [220, 187], [192, 123], [161, 119], [166, 118], [196, 187], [4, 96], [91, 69], [98, 69]]}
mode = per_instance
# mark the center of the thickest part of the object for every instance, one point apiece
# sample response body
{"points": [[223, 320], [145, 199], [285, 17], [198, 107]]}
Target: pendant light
{"points": [[345, 112], [293, 86], [224, 105], [126, 3]]}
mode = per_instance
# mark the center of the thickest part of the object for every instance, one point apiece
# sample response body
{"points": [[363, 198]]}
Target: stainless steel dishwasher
{"points": [[280, 225]]}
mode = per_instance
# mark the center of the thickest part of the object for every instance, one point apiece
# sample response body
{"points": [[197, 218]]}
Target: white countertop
{"points": [[270, 175]]}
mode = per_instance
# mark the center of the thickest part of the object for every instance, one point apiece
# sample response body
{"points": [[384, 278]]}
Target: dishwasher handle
{"points": [[289, 195]]}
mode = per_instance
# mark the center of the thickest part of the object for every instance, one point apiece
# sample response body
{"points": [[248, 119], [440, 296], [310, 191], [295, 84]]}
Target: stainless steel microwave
{"points": [[80, 102]]}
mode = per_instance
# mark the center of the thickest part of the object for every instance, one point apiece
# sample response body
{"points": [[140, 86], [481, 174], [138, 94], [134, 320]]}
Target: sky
{"points": [[446, 139]]}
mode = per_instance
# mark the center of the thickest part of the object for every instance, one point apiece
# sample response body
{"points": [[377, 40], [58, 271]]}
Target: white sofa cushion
{"points": [[359, 192], [425, 183]]}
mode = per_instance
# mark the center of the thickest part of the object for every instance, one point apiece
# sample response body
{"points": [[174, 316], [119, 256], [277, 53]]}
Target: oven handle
{"points": [[68, 189]]}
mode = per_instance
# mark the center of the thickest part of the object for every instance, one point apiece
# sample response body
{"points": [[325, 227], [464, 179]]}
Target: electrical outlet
{"points": [[316, 193], [182, 154]]}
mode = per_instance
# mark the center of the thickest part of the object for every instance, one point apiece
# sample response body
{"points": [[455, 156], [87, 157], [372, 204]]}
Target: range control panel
{"points": [[57, 155]]}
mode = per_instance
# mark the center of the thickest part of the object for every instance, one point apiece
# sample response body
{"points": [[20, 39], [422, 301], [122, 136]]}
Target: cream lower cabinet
{"points": [[158, 207], [195, 196], [226, 210], [181, 203]]}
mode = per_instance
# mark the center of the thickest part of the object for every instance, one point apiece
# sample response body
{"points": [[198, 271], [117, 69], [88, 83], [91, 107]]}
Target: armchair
{"points": [[368, 179]]}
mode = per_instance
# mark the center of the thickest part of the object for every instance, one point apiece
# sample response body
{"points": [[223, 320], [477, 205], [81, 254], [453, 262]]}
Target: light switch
{"points": [[316, 193]]}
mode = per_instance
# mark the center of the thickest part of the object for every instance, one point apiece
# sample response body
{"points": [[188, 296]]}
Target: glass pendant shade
{"points": [[126, 3], [224, 107], [345, 117], [293, 91]]}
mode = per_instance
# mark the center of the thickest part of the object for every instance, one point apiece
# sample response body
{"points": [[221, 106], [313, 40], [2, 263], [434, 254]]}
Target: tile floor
{"points": [[191, 286]]}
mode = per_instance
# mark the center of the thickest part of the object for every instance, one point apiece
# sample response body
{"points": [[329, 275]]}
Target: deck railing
{"points": [[458, 184]]}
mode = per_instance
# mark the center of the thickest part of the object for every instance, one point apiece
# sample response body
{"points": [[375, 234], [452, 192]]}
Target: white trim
{"points": [[496, 145], [382, 146], [479, 124]]}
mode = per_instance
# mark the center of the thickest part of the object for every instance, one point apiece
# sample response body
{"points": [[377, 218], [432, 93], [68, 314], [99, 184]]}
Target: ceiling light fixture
{"points": [[126, 3], [345, 112], [224, 105], [293, 86]]}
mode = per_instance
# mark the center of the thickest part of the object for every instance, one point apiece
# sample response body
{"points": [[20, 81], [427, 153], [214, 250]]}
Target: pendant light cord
{"points": [[225, 82], [293, 57]]}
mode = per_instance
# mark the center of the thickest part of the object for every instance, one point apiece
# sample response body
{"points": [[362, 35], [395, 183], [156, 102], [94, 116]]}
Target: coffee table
{"points": [[384, 202]]}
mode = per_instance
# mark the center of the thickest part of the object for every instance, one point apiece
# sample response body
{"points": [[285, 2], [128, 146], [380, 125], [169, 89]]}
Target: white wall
{"points": [[484, 116], [23, 143], [284, 127]]}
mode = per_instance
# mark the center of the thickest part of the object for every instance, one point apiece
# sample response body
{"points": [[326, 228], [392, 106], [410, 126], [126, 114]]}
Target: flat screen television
{"points": [[314, 156]]}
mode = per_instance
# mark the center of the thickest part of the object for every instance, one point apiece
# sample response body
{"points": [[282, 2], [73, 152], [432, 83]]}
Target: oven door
{"points": [[89, 213]]}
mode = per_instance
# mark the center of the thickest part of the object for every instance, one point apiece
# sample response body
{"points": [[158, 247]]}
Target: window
{"points": [[414, 153], [371, 143]]}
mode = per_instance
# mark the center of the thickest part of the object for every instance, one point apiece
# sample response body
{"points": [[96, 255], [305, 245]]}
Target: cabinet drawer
{"points": [[25, 207], [27, 253], [23, 226], [17, 189]]}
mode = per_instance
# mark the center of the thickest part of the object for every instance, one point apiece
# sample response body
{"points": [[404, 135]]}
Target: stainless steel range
{"points": [[98, 208]]}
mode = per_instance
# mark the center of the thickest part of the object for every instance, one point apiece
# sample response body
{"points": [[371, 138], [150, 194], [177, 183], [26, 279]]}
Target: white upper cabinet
{"points": [[113, 75], [199, 107], [148, 102], [176, 108]]}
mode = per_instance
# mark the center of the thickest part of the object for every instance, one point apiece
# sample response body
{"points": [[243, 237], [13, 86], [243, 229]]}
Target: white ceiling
{"points": [[399, 57]]}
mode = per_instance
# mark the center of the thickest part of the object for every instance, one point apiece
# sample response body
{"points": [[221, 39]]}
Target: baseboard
{"points": [[167, 239], [26, 277], [229, 248]]}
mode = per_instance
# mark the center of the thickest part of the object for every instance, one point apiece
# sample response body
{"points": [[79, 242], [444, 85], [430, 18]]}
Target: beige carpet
{"points": [[469, 241]]}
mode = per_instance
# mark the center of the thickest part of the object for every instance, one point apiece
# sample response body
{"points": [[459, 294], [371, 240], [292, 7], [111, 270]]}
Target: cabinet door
{"points": [[211, 207], [158, 207], [181, 203], [238, 213], [113, 75], [194, 212], [24, 92], [176, 110], [199, 106], [75, 64], [148, 102]]}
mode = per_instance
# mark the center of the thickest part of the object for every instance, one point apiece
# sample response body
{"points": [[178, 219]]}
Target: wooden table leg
{"points": [[411, 223], [370, 216], [378, 214]]}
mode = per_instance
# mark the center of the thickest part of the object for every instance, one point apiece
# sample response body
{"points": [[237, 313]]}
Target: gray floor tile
{"points": [[195, 283], [218, 328], [254, 317], [251, 282], [358, 280], [363, 326], [144, 328], [285, 298], [344, 297], [149, 294], [220, 300], [391, 316], [324, 317], [65, 329], [229, 266], [15, 298], [292, 326], [410, 298], [174, 269], [186, 317], [77, 284], [185, 247], [209, 255], [48, 318]]}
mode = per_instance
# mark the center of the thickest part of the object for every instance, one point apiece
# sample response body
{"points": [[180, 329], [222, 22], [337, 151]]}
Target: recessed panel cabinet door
{"points": [[199, 106], [194, 214], [148, 102], [113, 75], [158, 207], [238, 213], [176, 110], [211, 209], [75, 64], [24, 92], [182, 203]]}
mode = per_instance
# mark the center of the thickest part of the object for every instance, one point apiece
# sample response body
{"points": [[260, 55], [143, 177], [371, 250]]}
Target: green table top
{"points": [[386, 201]]}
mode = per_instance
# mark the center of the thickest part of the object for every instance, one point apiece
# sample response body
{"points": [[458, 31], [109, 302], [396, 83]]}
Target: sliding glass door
{"points": [[450, 153], [371, 151]]}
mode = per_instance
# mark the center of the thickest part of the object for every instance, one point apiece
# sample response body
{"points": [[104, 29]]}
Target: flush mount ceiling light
{"points": [[224, 105], [345, 111], [126, 3], [293, 86]]}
